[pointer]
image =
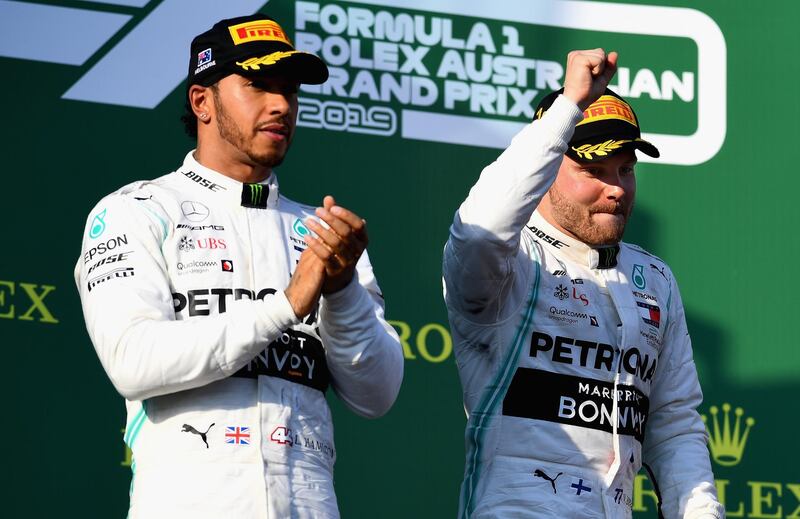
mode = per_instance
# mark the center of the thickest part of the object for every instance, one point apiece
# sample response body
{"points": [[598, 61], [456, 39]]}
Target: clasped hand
{"points": [[329, 263]]}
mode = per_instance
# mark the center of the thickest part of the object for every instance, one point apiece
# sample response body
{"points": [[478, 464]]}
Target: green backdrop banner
{"points": [[422, 95]]}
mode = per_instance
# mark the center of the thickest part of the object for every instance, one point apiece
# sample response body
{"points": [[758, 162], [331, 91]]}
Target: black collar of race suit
{"points": [[575, 250], [255, 195], [607, 257]]}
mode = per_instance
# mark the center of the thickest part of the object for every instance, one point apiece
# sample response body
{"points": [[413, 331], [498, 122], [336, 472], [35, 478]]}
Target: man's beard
{"points": [[578, 220], [234, 135]]}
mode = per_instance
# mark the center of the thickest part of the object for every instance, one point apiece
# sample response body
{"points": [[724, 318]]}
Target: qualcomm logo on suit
{"points": [[147, 61]]}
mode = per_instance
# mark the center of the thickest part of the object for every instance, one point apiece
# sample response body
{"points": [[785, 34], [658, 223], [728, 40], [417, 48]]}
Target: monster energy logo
{"points": [[254, 195], [607, 257]]}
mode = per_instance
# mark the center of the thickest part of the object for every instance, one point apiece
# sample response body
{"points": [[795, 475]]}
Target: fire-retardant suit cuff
{"points": [[276, 315], [561, 118]]}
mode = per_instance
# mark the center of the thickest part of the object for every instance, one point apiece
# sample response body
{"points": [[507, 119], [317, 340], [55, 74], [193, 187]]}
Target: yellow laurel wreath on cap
{"points": [[586, 151], [269, 59]]}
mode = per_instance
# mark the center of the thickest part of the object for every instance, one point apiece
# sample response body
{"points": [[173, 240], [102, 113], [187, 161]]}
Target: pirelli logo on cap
{"points": [[608, 107], [262, 30]]}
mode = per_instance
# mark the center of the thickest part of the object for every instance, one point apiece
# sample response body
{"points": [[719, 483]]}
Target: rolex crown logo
{"points": [[727, 446]]}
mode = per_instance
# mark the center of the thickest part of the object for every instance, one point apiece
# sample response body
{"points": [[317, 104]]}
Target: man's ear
{"points": [[201, 101]]}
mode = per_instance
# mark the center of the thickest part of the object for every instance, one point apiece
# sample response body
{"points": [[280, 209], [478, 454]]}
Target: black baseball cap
{"points": [[254, 45], [609, 125]]}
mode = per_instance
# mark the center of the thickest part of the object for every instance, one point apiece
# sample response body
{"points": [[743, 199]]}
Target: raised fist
{"points": [[588, 74]]}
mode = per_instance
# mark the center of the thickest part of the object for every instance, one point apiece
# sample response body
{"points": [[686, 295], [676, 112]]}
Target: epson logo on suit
{"points": [[102, 248]]}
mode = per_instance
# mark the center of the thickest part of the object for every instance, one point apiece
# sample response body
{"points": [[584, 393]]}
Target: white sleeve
{"points": [[364, 355], [128, 308], [482, 251], [675, 444]]}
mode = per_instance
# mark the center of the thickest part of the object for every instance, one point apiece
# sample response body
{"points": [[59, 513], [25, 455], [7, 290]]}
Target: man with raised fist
{"points": [[223, 311], [571, 345]]}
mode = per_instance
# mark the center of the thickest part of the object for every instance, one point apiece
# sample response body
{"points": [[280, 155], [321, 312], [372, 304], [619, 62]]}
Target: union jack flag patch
{"points": [[237, 435]]}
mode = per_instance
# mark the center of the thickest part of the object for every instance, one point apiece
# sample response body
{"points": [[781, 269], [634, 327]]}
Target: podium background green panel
{"points": [[92, 99]]}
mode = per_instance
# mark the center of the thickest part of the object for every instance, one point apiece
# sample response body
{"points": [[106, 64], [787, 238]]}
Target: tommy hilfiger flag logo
{"points": [[651, 314], [237, 435]]}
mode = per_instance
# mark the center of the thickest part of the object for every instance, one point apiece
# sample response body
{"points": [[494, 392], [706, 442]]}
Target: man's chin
{"points": [[270, 159], [607, 229], [605, 236]]}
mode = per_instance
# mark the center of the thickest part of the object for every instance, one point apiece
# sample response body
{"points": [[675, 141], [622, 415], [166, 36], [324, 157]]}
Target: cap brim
{"points": [[646, 147], [594, 152], [303, 67]]}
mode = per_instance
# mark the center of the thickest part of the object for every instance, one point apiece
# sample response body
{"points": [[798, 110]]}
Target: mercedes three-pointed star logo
{"points": [[194, 211]]}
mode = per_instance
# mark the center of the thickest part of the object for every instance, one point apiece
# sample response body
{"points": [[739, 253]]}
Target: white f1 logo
{"points": [[141, 70]]}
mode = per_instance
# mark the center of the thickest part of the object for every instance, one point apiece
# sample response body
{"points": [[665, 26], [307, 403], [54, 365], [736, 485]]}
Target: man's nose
{"points": [[614, 187], [278, 104]]}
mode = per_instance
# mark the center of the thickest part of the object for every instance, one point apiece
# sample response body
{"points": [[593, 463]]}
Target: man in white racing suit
{"points": [[223, 311], [572, 347]]}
